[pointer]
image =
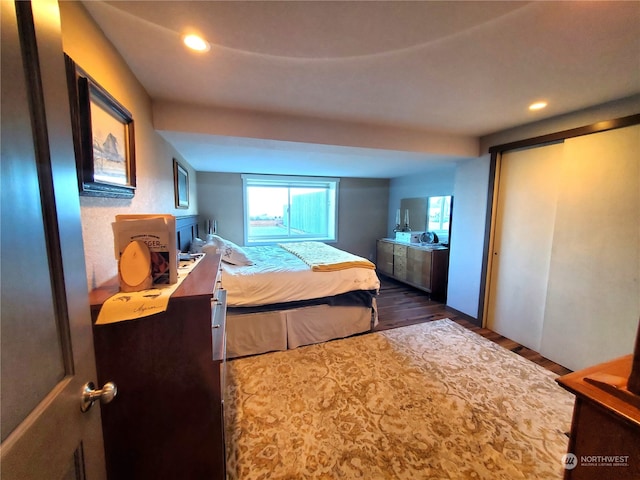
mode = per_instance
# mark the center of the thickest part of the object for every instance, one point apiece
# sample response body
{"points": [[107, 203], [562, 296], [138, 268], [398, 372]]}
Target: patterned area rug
{"points": [[427, 401]]}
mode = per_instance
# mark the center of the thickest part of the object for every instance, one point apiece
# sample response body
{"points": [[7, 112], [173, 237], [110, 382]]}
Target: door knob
{"points": [[90, 394]]}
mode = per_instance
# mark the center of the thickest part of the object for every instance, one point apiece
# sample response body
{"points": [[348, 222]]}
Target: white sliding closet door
{"points": [[565, 271], [593, 300], [525, 218]]}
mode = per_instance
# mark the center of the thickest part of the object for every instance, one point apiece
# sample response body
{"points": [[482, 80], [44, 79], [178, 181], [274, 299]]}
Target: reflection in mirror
{"points": [[414, 212], [439, 217]]}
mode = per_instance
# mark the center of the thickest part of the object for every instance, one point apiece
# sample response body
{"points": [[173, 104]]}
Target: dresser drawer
{"points": [[218, 336], [384, 260], [219, 310], [400, 262], [400, 251]]}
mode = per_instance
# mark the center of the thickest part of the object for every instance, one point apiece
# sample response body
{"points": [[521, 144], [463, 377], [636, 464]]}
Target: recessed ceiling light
{"points": [[194, 42], [537, 105]]}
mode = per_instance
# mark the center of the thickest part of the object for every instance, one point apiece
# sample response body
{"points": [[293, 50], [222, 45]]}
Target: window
{"points": [[281, 209]]}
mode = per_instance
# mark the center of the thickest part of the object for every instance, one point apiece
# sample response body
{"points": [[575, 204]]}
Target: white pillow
{"points": [[196, 245], [230, 252]]}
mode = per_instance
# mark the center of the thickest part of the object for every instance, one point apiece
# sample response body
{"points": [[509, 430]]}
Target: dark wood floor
{"points": [[400, 305]]}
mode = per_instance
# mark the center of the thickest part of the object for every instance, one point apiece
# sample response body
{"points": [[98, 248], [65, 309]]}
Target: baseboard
{"points": [[468, 318]]}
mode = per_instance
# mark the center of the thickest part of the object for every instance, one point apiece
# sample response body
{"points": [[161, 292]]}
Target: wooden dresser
{"points": [[605, 431], [423, 267], [166, 421]]}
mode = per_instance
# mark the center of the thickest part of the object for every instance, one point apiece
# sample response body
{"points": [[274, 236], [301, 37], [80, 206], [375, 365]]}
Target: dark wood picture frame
{"points": [[103, 138], [180, 185]]}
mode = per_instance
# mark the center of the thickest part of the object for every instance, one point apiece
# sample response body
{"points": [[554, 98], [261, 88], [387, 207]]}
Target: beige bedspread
{"points": [[325, 258]]}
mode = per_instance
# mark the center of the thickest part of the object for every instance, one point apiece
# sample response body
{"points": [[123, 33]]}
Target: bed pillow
{"points": [[230, 252], [196, 245]]}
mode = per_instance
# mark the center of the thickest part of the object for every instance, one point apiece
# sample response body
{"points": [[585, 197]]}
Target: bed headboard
{"points": [[186, 231]]}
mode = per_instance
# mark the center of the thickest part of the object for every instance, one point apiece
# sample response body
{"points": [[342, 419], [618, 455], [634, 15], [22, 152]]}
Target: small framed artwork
{"points": [[180, 185], [103, 138]]}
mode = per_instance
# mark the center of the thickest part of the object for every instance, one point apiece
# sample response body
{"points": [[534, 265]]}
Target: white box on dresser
{"points": [[408, 237]]}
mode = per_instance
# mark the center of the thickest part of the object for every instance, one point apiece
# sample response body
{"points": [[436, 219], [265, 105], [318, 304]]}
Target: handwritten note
{"points": [[133, 305]]}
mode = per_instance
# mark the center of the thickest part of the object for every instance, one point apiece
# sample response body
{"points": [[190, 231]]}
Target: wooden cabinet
{"points": [[423, 267], [605, 431], [166, 421]]}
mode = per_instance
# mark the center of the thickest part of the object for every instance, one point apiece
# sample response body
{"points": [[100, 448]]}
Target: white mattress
{"points": [[279, 276]]}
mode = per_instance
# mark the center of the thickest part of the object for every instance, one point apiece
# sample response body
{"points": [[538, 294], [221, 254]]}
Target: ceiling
{"points": [[453, 67]]}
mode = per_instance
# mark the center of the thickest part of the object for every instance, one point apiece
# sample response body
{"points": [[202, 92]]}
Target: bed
{"points": [[285, 296]]}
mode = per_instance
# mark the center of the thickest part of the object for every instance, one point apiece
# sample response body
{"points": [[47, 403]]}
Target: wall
{"points": [[363, 203], [220, 199], [362, 209], [84, 42], [467, 235]]}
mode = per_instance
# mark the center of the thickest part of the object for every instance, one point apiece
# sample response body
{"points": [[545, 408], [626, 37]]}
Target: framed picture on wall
{"points": [[103, 138], [181, 185]]}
